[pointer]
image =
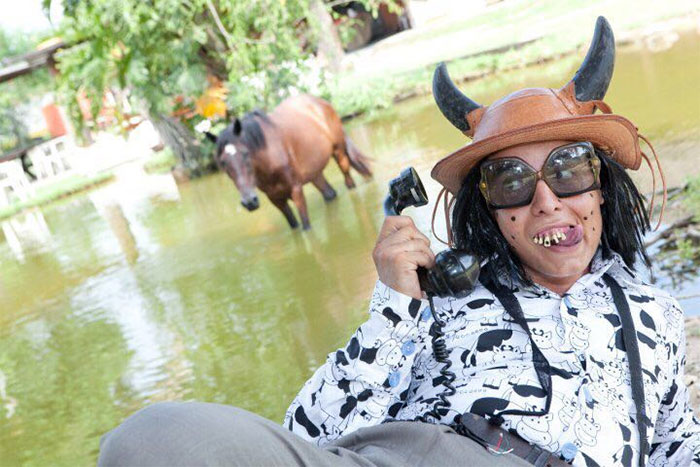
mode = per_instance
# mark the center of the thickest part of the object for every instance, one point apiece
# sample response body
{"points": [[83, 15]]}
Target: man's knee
{"points": [[132, 442], [169, 432]]}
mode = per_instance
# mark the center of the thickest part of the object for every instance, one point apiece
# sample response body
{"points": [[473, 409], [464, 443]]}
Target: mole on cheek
{"points": [[512, 218], [585, 218], [513, 237]]}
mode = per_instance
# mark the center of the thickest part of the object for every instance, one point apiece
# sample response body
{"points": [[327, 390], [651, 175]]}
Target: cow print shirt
{"points": [[387, 371]]}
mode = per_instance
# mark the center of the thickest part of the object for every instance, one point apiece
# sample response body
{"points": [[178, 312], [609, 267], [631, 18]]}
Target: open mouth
{"points": [[559, 236]]}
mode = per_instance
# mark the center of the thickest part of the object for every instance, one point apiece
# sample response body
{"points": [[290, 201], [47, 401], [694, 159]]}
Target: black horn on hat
{"points": [[591, 81], [453, 104]]}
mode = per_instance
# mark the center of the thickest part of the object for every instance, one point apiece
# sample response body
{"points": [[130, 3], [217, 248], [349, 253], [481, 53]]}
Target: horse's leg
{"points": [[282, 205], [341, 157], [324, 187], [300, 201]]}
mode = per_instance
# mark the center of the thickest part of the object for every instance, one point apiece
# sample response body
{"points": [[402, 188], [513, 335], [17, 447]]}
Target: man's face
{"points": [[526, 227]]}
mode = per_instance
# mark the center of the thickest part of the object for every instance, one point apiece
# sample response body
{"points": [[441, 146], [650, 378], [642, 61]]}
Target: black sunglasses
{"points": [[568, 171]]}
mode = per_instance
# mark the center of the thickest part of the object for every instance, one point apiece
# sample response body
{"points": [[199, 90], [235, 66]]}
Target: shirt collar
{"points": [[598, 267]]}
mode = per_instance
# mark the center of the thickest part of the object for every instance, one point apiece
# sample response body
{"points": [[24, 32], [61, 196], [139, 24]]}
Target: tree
{"points": [[163, 52], [329, 45], [15, 93]]}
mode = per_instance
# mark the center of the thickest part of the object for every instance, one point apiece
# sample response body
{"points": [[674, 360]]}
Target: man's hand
{"points": [[400, 249]]}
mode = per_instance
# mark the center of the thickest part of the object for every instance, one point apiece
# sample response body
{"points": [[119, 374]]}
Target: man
{"points": [[561, 353]]}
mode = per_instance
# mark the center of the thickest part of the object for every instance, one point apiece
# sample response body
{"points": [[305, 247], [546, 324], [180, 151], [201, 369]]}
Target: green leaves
{"points": [[17, 93], [165, 53]]}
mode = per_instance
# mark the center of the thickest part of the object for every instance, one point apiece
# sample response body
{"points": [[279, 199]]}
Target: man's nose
{"points": [[544, 201]]}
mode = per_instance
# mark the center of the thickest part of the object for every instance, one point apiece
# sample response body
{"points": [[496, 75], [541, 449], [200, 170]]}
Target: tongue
{"points": [[573, 236]]}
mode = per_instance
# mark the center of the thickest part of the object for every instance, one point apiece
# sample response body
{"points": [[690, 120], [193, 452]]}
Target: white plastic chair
{"points": [[12, 177], [52, 157]]}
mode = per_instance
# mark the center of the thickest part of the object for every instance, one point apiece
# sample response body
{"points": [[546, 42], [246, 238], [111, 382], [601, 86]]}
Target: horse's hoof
{"points": [[307, 227]]}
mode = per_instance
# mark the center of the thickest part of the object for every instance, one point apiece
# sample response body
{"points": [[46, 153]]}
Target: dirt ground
{"points": [[692, 368], [467, 31]]}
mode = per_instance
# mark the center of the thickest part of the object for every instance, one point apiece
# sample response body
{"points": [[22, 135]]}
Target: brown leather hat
{"points": [[539, 114]]}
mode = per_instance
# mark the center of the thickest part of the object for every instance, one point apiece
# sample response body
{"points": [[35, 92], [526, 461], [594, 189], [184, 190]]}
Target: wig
{"points": [[624, 216]]}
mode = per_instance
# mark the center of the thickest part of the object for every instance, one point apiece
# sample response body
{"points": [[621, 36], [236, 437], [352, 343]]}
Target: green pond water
{"points": [[145, 290]]}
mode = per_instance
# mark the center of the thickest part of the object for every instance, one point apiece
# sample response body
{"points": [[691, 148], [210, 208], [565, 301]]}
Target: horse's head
{"points": [[235, 148]]}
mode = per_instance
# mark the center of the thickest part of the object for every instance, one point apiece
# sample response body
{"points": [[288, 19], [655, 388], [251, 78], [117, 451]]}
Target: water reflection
{"points": [[145, 290], [28, 230]]}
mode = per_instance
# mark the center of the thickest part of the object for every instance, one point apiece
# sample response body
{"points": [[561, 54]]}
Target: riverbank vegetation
{"points": [[63, 188], [378, 92], [180, 62], [175, 60], [491, 41], [676, 247], [160, 162]]}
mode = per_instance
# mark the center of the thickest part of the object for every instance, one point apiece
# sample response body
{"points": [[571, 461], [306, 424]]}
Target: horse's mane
{"points": [[252, 134]]}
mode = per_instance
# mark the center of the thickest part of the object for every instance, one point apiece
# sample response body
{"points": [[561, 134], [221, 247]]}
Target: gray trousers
{"points": [[195, 433]]}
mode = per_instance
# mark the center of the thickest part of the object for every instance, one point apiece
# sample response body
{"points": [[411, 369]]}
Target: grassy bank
{"points": [[54, 191], [351, 99], [512, 34], [161, 162]]}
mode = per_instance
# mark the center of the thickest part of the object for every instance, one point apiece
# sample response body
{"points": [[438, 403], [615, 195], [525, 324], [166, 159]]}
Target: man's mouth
{"points": [[561, 236]]}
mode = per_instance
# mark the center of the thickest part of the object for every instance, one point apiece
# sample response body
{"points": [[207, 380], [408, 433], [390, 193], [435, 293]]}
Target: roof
{"points": [[13, 67]]}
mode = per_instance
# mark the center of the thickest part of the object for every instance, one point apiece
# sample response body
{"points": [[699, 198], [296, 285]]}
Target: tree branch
{"points": [[679, 224], [225, 33], [219, 24]]}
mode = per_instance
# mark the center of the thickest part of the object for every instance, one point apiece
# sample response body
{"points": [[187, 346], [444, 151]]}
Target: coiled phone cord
{"points": [[542, 368], [441, 356]]}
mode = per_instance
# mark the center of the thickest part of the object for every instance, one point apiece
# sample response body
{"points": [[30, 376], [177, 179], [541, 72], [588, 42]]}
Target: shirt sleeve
{"points": [[676, 439], [367, 381]]}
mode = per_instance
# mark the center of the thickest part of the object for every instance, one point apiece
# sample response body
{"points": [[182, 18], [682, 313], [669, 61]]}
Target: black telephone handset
{"points": [[455, 272]]}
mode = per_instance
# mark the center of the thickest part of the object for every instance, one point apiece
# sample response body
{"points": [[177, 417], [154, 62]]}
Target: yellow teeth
{"points": [[547, 240]]}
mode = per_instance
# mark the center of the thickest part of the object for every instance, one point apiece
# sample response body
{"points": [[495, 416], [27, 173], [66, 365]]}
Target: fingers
{"points": [[418, 258], [394, 223], [414, 252], [399, 229], [400, 250]]}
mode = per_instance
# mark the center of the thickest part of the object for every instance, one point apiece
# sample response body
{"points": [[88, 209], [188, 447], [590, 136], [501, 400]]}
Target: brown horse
{"points": [[281, 151]]}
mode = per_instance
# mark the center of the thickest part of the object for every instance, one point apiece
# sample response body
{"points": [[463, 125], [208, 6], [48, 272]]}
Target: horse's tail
{"points": [[358, 161]]}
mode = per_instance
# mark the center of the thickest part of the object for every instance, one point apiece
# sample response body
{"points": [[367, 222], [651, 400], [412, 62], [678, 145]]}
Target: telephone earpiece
{"points": [[455, 272]]}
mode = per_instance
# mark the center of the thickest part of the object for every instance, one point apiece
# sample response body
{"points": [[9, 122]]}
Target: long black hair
{"points": [[625, 221]]}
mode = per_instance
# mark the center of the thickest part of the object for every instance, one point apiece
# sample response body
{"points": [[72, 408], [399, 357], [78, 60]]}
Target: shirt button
{"points": [[394, 378], [408, 348], [568, 451]]}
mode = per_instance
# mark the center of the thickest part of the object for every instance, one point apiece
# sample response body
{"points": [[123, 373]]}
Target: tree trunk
{"points": [[181, 141], [330, 48]]}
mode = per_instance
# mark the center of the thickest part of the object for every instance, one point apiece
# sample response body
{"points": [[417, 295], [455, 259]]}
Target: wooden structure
{"points": [[13, 67]]}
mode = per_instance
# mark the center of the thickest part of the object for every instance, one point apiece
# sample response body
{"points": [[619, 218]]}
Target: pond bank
{"points": [[58, 190], [490, 42], [692, 368]]}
